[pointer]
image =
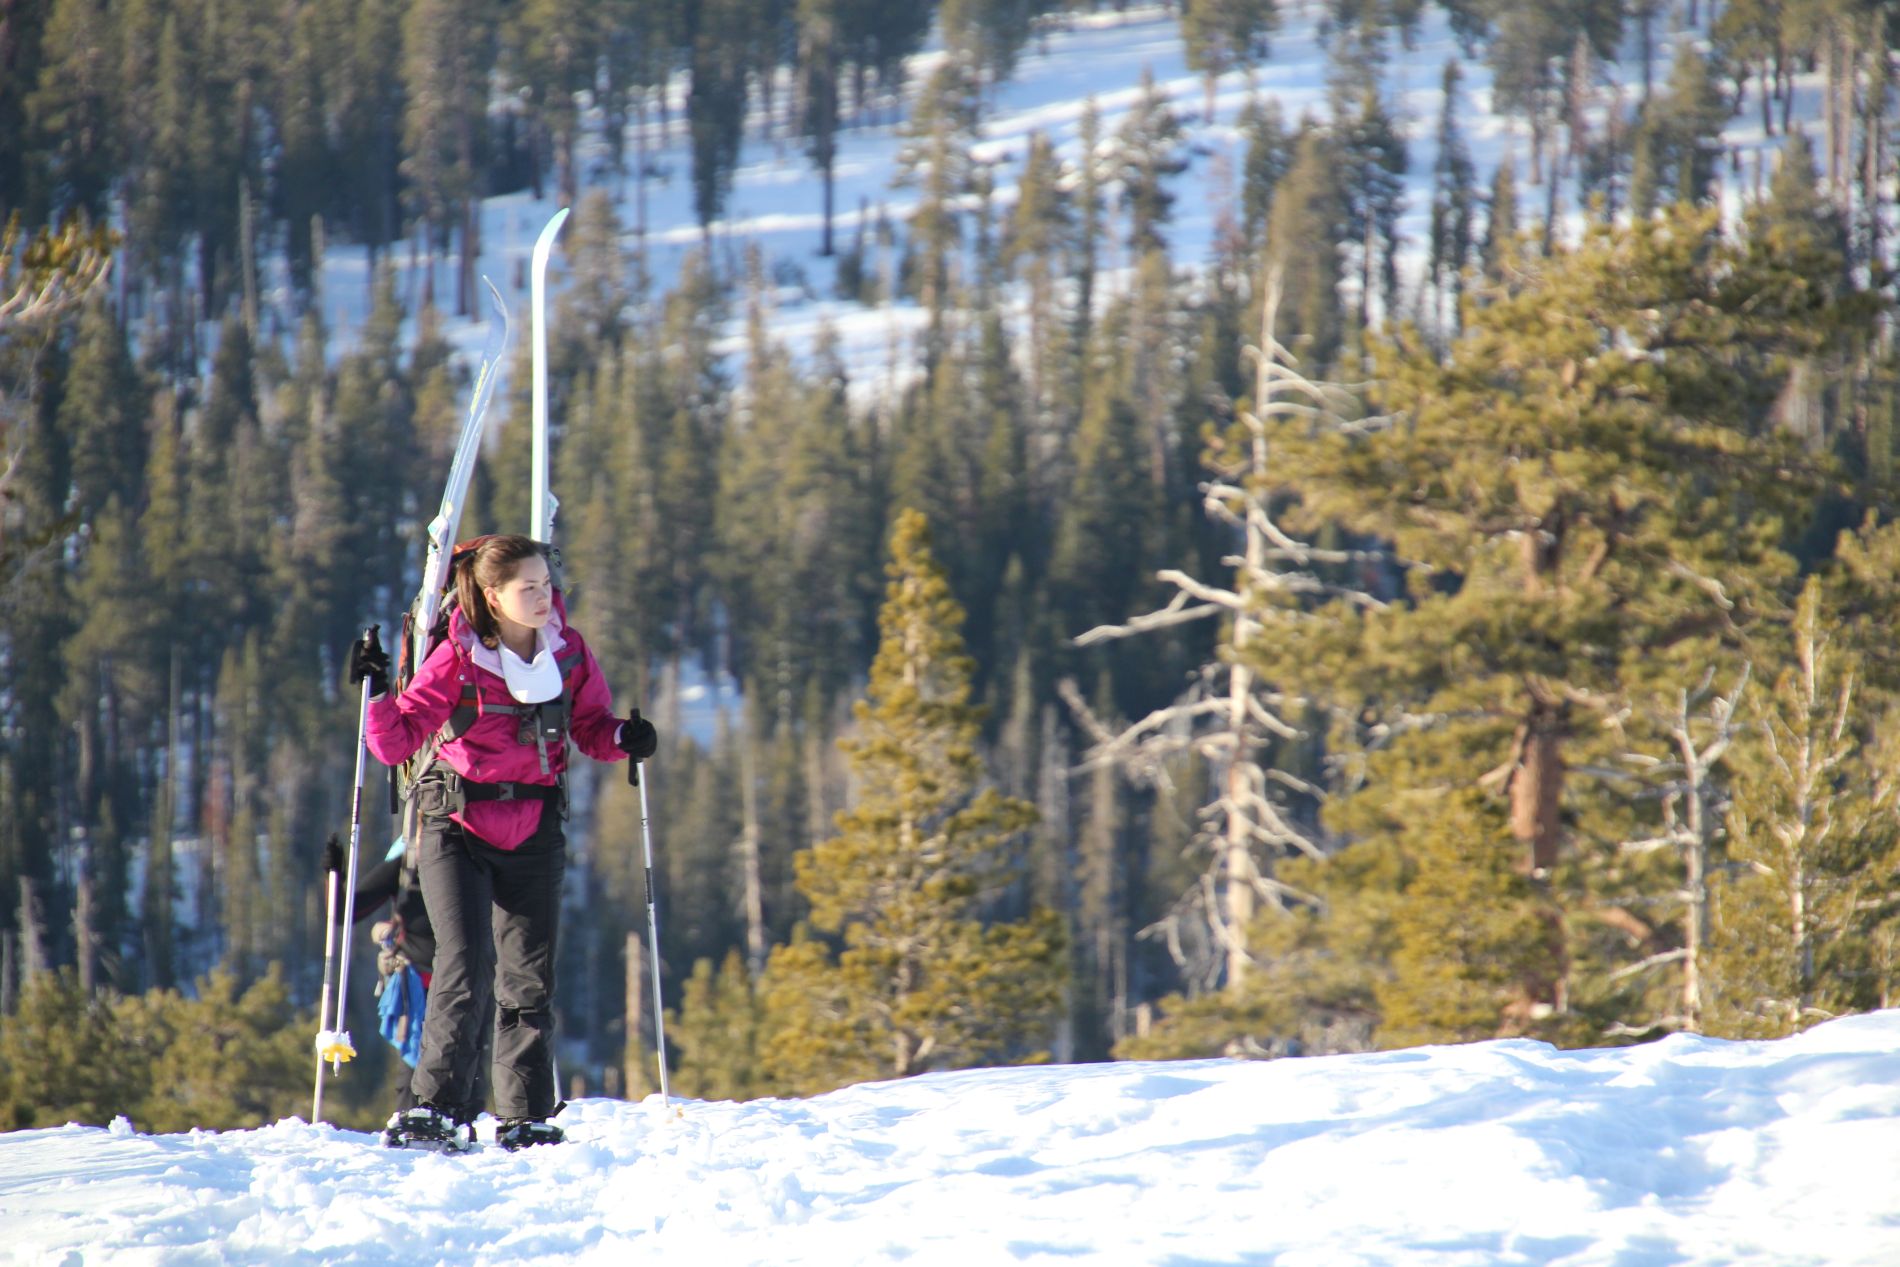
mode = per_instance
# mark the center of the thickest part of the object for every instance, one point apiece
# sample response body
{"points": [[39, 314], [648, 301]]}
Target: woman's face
{"points": [[527, 597]]}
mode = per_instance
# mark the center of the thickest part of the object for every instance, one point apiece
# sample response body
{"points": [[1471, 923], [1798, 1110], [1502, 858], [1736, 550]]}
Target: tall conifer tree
{"points": [[922, 980]]}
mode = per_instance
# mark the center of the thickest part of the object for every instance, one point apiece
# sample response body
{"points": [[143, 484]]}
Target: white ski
{"points": [[448, 519], [545, 503]]}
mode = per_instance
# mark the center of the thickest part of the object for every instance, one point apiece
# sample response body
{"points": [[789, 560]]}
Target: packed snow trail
{"points": [[1686, 1151]]}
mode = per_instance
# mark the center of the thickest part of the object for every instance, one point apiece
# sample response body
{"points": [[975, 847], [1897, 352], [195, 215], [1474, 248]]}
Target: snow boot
{"points": [[428, 1127], [518, 1133]]}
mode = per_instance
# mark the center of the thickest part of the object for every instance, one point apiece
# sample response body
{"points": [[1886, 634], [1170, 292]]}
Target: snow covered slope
{"points": [[777, 198], [1687, 1151]]}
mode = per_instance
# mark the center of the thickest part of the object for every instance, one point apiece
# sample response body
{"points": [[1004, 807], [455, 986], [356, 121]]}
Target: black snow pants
{"points": [[495, 913]]}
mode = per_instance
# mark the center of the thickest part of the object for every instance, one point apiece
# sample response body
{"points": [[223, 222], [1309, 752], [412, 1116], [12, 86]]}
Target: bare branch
{"points": [[1654, 961], [1177, 612]]}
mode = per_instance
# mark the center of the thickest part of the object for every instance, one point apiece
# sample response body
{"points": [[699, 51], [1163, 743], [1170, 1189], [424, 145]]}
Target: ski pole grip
{"points": [[633, 773]]}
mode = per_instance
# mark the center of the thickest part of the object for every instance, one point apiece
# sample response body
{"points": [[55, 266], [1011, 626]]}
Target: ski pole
{"points": [[653, 934], [334, 1045], [323, 1004]]}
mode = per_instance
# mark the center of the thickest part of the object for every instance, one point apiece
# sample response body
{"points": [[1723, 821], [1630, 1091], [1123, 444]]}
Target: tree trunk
{"points": [[1647, 26], [247, 256], [824, 244], [32, 931], [1238, 863], [1695, 920], [749, 842], [157, 902], [640, 167], [85, 939], [1537, 786], [471, 248], [9, 990], [1872, 131], [635, 1068], [1785, 86], [1833, 120]]}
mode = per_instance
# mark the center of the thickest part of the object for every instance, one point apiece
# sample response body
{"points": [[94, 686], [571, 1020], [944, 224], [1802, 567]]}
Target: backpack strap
{"points": [[467, 711]]}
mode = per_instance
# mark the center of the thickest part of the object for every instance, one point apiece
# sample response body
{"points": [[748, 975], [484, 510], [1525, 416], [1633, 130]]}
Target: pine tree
{"points": [[101, 414], [1269, 155], [1533, 54], [922, 981], [1679, 136], [1795, 262], [717, 1032], [1453, 202], [1372, 162], [751, 549], [1223, 35], [233, 1056], [821, 74], [831, 499], [447, 48], [1472, 937], [716, 102], [308, 170], [1146, 158], [1753, 36], [1592, 519], [988, 34], [1811, 843], [935, 159], [20, 62], [1302, 244], [1092, 179], [1037, 238], [1500, 226], [553, 57], [1107, 513], [72, 109], [367, 87], [64, 1058]]}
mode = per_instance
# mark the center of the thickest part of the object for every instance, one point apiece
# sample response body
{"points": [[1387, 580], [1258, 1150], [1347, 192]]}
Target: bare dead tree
{"points": [[1700, 727], [1230, 714]]}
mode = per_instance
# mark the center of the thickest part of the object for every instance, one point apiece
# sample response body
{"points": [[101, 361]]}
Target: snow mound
{"points": [[1686, 1151]]}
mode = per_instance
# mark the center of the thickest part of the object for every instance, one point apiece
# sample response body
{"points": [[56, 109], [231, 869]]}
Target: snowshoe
{"points": [[518, 1133], [428, 1128]]}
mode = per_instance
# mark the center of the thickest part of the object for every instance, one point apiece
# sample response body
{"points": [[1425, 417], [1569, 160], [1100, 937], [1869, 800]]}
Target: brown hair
{"points": [[491, 564]]}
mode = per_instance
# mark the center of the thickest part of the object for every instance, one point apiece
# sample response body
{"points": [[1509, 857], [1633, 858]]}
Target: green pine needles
{"points": [[921, 953]]}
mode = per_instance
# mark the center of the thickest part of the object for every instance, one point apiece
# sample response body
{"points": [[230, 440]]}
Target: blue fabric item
{"points": [[404, 999], [396, 847]]}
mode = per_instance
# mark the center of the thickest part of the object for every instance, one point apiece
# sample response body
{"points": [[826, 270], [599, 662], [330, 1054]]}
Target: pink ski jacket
{"points": [[489, 751]]}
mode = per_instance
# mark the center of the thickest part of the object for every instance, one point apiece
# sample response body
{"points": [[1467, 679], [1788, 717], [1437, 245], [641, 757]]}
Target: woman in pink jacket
{"points": [[503, 693]]}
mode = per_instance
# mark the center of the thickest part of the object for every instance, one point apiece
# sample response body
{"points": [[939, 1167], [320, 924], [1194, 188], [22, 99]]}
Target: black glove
{"points": [[369, 660], [637, 738], [332, 854]]}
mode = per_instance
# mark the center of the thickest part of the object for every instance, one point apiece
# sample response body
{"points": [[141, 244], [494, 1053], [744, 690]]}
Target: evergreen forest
{"points": [[1264, 653]]}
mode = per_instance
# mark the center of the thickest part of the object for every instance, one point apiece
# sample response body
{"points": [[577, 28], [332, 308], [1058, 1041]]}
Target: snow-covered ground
{"points": [[1688, 1151]]}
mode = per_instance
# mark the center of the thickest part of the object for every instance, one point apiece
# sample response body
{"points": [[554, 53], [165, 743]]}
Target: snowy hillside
{"points": [[1687, 1151], [776, 201]]}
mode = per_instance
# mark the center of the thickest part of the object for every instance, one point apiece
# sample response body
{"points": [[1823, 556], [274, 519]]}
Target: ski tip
{"points": [[494, 297], [545, 242]]}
